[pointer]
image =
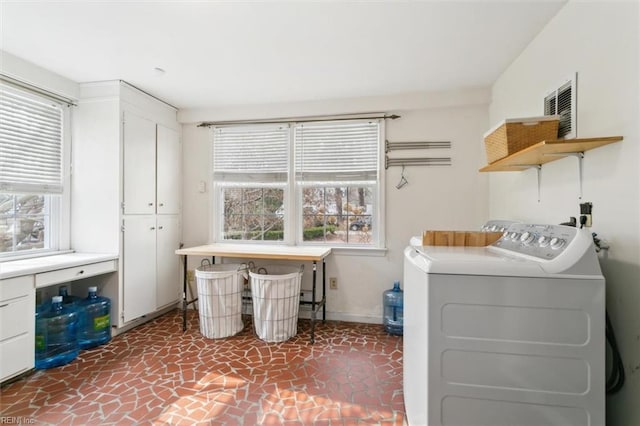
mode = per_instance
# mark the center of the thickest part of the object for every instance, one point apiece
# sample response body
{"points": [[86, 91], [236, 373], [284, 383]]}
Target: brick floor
{"points": [[157, 375]]}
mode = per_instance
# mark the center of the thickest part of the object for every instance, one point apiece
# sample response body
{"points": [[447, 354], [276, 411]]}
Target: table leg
{"points": [[313, 304], [184, 293], [324, 291]]}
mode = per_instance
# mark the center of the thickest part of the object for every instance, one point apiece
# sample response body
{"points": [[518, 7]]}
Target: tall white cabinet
{"points": [[126, 194]]}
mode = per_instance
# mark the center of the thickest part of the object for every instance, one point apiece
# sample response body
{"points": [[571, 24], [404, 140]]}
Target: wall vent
{"points": [[562, 101]]}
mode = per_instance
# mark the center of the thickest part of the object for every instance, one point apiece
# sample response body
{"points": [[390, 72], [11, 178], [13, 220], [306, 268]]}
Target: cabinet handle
{"points": [[152, 228], [161, 227], [161, 204], [81, 272], [150, 204], [2, 306]]}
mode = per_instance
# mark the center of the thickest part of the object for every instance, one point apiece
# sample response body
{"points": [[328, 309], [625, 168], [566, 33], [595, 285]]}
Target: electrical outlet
{"points": [[333, 283], [586, 209], [191, 275]]}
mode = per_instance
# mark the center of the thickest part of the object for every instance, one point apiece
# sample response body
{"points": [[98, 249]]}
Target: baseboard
{"points": [[138, 321]]}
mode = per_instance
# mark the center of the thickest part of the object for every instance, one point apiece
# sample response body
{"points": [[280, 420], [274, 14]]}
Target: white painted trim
{"points": [[342, 316]]}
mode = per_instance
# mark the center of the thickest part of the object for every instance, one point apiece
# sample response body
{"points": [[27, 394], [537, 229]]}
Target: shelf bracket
{"points": [[579, 155], [538, 168], [539, 173]]}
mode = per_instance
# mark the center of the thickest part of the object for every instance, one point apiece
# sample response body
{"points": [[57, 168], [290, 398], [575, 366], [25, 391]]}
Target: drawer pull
{"points": [[2, 306], [152, 228], [81, 272]]}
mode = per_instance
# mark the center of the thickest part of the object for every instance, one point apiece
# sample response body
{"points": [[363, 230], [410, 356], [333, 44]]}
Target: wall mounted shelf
{"points": [[543, 152], [546, 151]]}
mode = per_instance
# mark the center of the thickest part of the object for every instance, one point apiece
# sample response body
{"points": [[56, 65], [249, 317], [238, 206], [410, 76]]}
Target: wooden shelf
{"points": [[546, 151]]}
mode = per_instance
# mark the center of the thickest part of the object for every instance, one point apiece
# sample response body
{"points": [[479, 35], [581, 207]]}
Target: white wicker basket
{"points": [[275, 291], [220, 288]]}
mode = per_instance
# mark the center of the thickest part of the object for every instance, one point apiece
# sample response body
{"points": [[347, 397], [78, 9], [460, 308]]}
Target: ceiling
{"points": [[218, 54]]}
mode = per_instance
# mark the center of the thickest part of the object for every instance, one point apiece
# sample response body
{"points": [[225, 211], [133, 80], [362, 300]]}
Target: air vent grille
{"points": [[562, 101]]}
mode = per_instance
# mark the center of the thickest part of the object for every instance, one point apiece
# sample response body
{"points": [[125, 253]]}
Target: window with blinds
{"points": [[251, 154], [30, 143], [32, 131], [336, 152], [312, 182], [250, 172]]}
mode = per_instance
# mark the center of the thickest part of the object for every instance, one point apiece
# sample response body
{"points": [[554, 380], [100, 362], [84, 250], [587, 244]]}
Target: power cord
{"points": [[616, 378]]}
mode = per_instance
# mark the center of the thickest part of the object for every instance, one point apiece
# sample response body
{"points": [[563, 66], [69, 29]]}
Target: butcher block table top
{"points": [[258, 251]]}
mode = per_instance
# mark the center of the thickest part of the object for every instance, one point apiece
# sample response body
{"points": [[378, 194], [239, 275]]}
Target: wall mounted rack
{"points": [[392, 146], [416, 161]]}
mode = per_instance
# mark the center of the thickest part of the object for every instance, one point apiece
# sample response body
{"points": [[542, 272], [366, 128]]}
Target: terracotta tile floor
{"points": [[156, 374]]}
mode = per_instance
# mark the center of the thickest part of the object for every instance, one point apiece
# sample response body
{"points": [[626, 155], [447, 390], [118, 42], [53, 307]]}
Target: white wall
{"points": [[30, 73], [436, 197], [599, 41]]}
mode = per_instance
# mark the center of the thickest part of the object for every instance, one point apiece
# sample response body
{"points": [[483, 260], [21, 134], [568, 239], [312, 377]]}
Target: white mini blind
{"points": [[30, 143], [251, 153], [337, 151]]}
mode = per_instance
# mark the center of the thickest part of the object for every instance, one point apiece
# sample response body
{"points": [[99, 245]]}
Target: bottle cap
{"points": [[93, 289], [56, 299]]}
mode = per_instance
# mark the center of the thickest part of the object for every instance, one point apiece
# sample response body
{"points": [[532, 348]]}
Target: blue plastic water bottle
{"points": [[393, 317], [95, 320], [68, 301], [56, 336]]}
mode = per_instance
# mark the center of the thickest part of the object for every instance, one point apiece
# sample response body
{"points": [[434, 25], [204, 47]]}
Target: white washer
{"points": [[509, 334]]}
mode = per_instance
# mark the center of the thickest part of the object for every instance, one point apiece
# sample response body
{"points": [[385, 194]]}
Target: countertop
{"points": [[34, 265]]}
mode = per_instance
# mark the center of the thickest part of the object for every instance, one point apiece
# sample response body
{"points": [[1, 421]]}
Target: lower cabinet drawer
{"points": [[13, 288], [14, 317], [17, 355], [76, 273]]}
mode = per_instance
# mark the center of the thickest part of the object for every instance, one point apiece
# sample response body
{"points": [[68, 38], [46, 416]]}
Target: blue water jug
{"points": [[56, 336], [95, 320], [393, 316], [68, 300]]}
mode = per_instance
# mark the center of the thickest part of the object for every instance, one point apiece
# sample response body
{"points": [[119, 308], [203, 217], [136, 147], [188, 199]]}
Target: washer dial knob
{"points": [[543, 241], [527, 238], [556, 243]]}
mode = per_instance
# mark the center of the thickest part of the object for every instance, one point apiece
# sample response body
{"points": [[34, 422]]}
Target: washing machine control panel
{"points": [[541, 241]]}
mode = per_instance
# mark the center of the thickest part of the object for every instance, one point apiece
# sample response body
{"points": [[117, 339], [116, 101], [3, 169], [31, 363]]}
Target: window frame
{"points": [[292, 199], [58, 234]]}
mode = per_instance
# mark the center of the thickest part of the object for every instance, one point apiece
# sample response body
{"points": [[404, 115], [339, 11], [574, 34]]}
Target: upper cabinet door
{"points": [[169, 155], [139, 165]]}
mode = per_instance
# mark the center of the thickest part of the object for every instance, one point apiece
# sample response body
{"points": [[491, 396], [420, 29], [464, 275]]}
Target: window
{"points": [[32, 132], [251, 174], [298, 183]]}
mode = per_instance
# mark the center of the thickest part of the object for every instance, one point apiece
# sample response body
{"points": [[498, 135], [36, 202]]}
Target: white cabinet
{"points": [[139, 164], [168, 171], [168, 289], [17, 326], [126, 192], [139, 266], [151, 267], [151, 172]]}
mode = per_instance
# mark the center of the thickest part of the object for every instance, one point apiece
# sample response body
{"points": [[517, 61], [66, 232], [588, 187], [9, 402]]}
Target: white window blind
{"points": [[30, 143], [337, 152], [251, 153]]}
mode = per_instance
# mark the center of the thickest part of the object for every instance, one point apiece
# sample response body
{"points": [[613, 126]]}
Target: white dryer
{"points": [[509, 334]]}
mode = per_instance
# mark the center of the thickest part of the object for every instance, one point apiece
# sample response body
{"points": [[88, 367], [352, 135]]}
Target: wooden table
{"points": [[261, 251]]}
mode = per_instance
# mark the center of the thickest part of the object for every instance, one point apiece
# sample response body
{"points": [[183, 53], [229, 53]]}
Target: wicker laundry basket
{"points": [[516, 134]]}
